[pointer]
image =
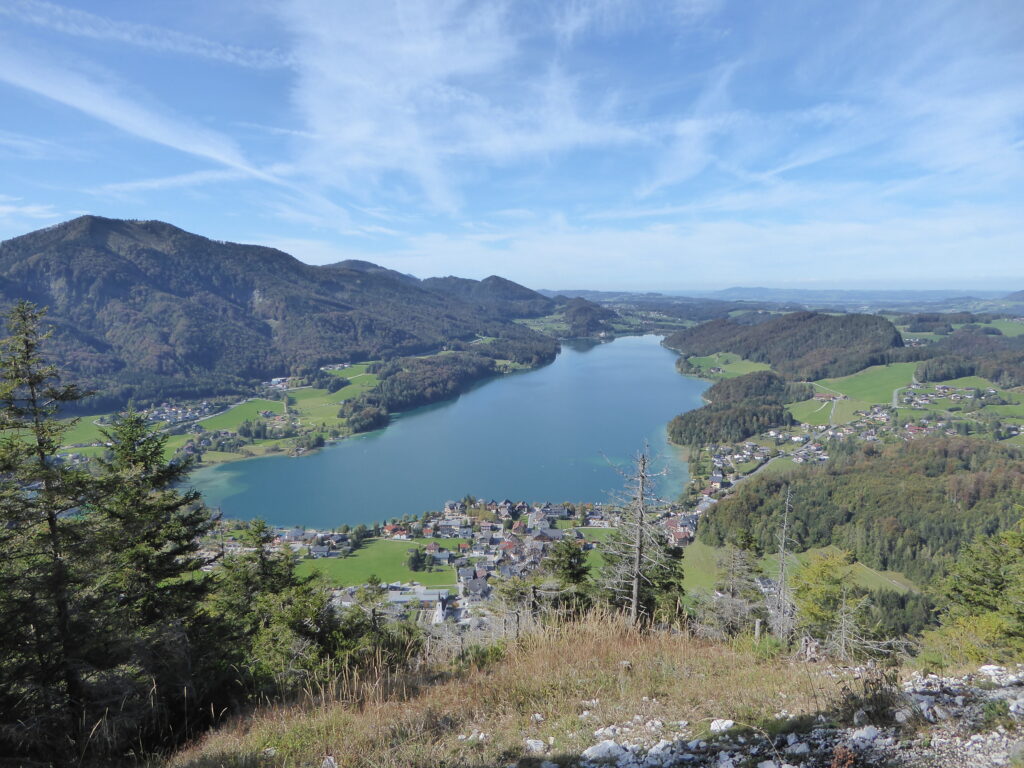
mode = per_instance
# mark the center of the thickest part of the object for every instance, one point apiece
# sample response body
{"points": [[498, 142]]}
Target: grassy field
{"points": [[731, 365], [85, 431], [874, 384], [1009, 327], [233, 417], [813, 412], [384, 559], [534, 692], [700, 569], [969, 381]]}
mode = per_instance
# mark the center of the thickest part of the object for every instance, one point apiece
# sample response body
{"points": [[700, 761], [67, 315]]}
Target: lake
{"points": [[559, 433]]}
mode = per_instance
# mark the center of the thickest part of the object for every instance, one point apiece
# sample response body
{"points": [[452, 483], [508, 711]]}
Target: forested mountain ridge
{"points": [[799, 345], [144, 309]]}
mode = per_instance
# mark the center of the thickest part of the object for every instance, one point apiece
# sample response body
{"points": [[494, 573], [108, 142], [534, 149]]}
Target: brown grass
{"points": [[413, 723]]}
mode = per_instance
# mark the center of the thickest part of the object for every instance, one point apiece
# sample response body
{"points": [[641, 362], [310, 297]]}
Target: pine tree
{"points": [[567, 563], [49, 555]]}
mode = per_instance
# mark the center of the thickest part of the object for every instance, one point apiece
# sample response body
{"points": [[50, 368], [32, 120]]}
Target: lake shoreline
{"points": [[558, 434]]}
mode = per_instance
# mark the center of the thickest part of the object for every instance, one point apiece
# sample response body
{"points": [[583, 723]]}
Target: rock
{"points": [[860, 717], [606, 751], [792, 738], [608, 731], [536, 747], [798, 749], [903, 716], [537, 717], [866, 735], [721, 726], [548, 764], [767, 764]]}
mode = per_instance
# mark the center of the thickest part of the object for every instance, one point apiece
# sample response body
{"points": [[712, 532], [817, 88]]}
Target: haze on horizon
{"points": [[597, 144]]}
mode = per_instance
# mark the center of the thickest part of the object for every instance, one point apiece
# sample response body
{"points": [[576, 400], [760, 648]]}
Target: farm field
{"points": [[731, 365], [383, 558], [874, 384]]}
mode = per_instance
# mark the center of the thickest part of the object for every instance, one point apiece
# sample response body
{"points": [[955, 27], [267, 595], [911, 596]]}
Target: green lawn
{"points": [[731, 365], [384, 559], [874, 384]]}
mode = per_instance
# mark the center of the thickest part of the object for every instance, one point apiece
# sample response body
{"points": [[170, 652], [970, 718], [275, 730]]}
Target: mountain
{"points": [[1016, 297], [144, 309]]}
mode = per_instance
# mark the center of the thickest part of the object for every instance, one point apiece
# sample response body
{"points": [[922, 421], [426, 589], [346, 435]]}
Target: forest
{"points": [[799, 345], [907, 507], [738, 408], [970, 351]]}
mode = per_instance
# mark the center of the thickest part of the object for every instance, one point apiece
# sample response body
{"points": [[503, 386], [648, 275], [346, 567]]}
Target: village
{"points": [[478, 543]]}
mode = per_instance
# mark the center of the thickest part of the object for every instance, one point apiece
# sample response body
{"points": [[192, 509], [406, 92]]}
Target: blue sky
{"points": [[564, 144]]}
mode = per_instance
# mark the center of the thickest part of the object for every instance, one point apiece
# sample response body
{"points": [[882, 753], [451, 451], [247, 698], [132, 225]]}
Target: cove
{"points": [[557, 433]]}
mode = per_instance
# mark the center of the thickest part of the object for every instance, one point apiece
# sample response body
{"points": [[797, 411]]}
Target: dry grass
{"points": [[415, 724]]}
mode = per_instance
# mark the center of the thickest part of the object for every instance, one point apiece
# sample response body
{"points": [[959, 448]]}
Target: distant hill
{"points": [[493, 295], [144, 309], [1016, 296], [802, 345]]}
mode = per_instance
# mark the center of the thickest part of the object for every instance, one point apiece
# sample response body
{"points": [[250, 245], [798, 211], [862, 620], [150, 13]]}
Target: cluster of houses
{"points": [[726, 461]]}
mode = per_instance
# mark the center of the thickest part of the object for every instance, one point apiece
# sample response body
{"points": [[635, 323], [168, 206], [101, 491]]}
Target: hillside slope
{"points": [[144, 309], [805, 345]]}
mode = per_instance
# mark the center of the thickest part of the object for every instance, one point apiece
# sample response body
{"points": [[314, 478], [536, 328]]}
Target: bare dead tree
{"points": [[781, 608], [636, 554]]}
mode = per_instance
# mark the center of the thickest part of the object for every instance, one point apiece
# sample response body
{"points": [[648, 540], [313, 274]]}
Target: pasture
{"points": [[875, 384], [731, 365]]}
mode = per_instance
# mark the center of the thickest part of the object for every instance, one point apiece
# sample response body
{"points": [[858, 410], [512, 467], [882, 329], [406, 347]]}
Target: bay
{"points": [[563, 432]]}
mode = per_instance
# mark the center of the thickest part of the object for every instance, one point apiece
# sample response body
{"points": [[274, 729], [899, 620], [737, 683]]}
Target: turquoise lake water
{"points": [[555, 434]]}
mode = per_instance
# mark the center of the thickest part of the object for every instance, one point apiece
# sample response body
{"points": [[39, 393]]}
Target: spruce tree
{"points": [[49, 650]]}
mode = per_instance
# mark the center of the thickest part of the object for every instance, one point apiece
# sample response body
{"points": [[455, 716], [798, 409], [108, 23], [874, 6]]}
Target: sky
{"points": [[604, 144]]}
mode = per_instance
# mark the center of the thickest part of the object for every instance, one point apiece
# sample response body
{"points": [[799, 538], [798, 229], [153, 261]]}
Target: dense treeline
{"points": [[739, 408], [144, 311], [117, 636], [971, 352], [907, 508], [799, 345], [727, 423]]}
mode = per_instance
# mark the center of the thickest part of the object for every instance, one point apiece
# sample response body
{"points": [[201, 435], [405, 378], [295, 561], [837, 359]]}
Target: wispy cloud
{"points": [[79, 23], [413, 90], [180, 181]]}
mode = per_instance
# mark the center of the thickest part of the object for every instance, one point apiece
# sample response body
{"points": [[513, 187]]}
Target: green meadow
{"points": [[731, 365], [700, 569], [385, 559], [875, 384]]}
